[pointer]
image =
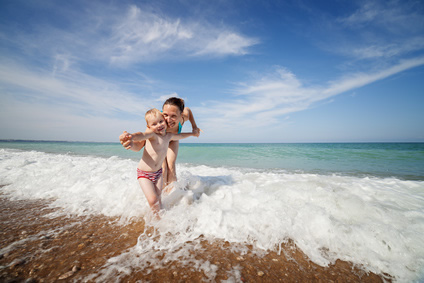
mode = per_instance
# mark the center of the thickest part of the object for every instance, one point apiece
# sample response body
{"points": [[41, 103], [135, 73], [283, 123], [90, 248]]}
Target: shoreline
{"points": [[41, 249]]}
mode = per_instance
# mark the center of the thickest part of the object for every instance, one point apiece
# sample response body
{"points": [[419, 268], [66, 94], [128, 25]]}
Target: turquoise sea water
{"points": [[401, 160]]}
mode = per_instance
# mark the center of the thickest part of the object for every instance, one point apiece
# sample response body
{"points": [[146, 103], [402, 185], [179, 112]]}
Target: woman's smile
{"points": [[172, 115]]}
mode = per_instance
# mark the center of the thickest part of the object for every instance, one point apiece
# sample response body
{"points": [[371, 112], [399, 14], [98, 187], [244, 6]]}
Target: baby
{"points": [[149, 171]]}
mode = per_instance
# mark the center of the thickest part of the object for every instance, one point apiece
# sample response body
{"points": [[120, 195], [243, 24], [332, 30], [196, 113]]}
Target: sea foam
{"points": [[375, 223], [80, 185]]}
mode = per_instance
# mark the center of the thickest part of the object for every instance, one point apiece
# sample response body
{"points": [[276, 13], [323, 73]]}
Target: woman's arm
{"points": [[188, 115], [176, 137]]}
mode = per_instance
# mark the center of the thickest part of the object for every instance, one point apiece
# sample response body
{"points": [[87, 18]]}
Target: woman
{"points": [[175, 115]]}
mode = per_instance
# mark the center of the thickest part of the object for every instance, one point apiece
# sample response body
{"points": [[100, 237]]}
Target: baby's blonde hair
{"points": [[154, 112]]}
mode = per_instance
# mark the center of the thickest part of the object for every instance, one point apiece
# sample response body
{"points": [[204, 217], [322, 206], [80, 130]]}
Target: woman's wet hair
{"points": [[175, 101]]}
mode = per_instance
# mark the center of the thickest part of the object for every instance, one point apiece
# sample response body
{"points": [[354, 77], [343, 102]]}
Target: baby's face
{"points": [[157, 124]]}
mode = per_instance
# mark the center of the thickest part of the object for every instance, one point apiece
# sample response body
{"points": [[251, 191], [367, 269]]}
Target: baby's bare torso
{"points": [[155, 152]]}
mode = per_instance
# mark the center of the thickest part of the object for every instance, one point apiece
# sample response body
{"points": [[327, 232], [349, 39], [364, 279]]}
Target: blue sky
{"points": [[251, 71]]}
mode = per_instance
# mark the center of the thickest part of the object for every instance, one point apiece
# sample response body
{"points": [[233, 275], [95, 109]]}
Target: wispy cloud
{"points": [[361, 79], [34, 119], [127, 35], [93, 64], [392, 16], [389, 50], [221, 43], [265, 102], [67, 71], [84, 94], [144, 36], [38, 104], [384, 29]]}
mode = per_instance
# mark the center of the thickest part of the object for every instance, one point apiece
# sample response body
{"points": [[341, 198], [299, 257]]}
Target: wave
{"points": [[375, 223]]}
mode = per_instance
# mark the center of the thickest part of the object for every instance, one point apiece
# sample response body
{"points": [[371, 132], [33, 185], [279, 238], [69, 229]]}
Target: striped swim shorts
{"points": [[152, 176]]}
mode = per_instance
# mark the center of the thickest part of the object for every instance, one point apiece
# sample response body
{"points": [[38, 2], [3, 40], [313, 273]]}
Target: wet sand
{"points": [[36, 248]]}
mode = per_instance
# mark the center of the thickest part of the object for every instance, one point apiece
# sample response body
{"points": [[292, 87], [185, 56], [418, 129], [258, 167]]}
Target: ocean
{"points": [[361, 203]]}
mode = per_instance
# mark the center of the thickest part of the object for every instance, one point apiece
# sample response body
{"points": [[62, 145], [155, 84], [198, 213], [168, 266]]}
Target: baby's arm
{"points": [[138, 145], [141, 136], [128, 143]]}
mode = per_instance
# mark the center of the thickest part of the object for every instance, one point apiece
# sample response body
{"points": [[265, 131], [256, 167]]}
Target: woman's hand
{"points": [[196, 132]]}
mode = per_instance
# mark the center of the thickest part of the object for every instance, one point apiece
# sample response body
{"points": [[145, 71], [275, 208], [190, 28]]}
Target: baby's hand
{"points": [[126, 140], [124, 137]]}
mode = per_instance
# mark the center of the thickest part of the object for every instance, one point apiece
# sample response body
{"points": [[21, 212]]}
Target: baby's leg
{"points": [[171, 157], [150, 190]]}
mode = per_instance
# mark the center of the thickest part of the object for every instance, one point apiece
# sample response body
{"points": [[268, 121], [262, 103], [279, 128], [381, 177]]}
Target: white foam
{"points": [[80, 185], [375, 223]]}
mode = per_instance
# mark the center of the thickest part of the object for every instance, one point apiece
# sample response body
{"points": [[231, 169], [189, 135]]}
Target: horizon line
{"points": [[298, 142]]}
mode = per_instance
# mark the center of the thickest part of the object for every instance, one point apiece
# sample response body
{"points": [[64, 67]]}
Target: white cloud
{"points": [[383, 29], [55, 68], [361, 79], [144, 36], [56, 76], [391, 16], [36, 104], [62, 63], [226, 43], [163, 98], [36, 120], [389, 50], [125, 35], [365, 14], [84, 94], [262, 104]]}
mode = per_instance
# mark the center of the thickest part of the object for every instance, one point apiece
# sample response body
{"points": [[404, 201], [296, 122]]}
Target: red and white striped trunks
{"points": [[152, 176]]}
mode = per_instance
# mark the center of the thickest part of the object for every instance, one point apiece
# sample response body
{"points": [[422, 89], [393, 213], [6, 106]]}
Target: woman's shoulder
{"points": [[186, 113]]}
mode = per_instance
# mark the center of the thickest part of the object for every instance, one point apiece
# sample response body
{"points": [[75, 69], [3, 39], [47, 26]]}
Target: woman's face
{"points": [[172, 115]]}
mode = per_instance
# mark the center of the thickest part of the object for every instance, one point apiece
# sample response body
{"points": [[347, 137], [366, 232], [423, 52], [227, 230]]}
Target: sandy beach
{"points": [[36, 248]]}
